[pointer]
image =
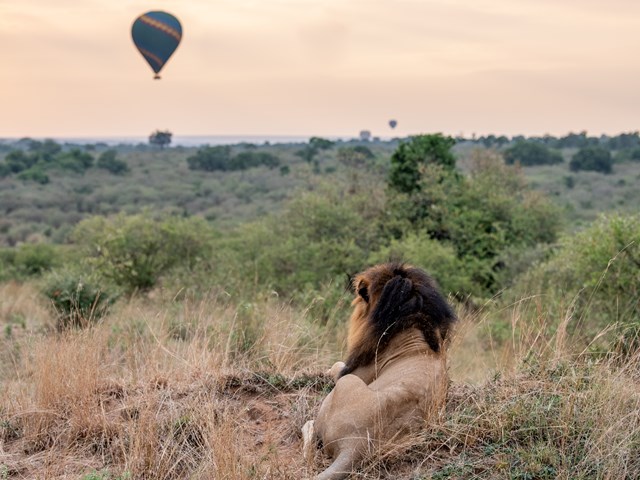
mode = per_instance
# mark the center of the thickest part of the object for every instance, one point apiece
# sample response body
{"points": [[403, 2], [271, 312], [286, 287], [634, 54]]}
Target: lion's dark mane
{"points": [[407, 298]]}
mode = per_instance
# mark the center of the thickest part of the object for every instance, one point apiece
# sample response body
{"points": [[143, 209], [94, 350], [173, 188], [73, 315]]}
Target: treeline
{"points": [[622, 141], [33, 162], [219, 158], [594, 157], [593, 153]]}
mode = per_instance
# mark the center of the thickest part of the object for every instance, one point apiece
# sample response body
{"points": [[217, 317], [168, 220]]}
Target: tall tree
{"points": [[160, 138], [410, 157]]}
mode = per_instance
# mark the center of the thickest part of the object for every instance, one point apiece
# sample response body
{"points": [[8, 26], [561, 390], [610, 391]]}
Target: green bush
{"points": [[246, 160], [303, 253], [134, 251], [355, 157], [34, 174], [74, 160], [35, 259], [597, 159], [18, 161], [318, 237], [5, 170], [481, 216], [219, 159], [410, 157], [7, 267], [599, 267], [45, 151], [531, 153], [109, 162], [210, 159], [78, 299], [439, 259]]}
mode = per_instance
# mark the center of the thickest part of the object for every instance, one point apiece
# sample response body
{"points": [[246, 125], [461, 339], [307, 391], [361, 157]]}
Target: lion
{"points": [[394, 377]]}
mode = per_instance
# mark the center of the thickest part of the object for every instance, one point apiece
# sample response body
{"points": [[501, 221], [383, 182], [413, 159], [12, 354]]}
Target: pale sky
{"points": [[323, 67]]}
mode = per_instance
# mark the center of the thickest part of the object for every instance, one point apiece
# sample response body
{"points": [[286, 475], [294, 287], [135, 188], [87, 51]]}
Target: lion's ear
{"points": [[363, 291]]}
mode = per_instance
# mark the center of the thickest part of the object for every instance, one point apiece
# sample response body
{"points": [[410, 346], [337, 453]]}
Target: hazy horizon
{"points": [[323, 67]]}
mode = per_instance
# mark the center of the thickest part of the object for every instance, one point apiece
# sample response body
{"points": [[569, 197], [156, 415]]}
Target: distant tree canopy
{"points": [[219, 158], [30, 163], [160, 138], [210, 159], [246, 160], [410, 157], [46, 150], [531, 153], [314, 146], [592, 158], [108, 161], [624, 141], [493, 141], [357, 156], [75, 160]]}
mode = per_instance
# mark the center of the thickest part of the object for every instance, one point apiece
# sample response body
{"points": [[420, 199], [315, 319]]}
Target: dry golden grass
{"points": [[208, 389]]}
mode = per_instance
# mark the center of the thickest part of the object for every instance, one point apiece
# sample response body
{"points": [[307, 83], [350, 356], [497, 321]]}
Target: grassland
{"points": [[163, 389], [211, 373]]}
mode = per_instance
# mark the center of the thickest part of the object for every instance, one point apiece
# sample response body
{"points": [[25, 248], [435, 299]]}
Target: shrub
{"points": [[7, 259], [109, 162], [314, 146], [78, 299], [321, 143], [35, 259], [74, 160], [439, 259], [531, 153], [134, 251], [355, 157], [480, 216], [34, 174], [592, 158], [210, 159], [410, 157], [45, 151], [18, 160], [600, 268], [318, 240], [246, 160]]}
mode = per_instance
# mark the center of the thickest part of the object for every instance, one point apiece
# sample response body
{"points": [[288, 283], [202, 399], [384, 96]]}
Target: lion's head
{"points": [[390, 298]]}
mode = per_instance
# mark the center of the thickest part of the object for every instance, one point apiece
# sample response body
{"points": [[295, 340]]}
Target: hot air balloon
{"points": [[156, 35], [393, 123]]}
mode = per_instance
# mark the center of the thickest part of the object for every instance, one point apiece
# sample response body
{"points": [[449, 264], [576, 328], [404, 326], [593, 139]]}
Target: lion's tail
{"points": [[341, 467]]}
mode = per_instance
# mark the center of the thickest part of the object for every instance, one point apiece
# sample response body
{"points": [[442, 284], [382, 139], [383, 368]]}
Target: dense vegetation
{"points": [[219, 158], [597, 159], [177, 277], [531, 153]]}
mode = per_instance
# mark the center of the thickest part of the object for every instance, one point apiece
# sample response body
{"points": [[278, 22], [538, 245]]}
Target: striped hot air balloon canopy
{"points": [[156, 35]]}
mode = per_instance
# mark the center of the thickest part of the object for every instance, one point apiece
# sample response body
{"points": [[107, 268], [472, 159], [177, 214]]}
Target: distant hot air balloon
{"points": [[393, 123], [156, 35]]}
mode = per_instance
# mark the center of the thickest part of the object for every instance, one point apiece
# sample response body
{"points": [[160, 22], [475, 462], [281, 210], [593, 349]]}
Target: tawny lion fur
{"points": [[395, 373]]}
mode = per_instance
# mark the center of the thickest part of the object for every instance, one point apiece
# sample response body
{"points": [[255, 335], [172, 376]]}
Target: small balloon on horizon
{"points": [[393, 123]]}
